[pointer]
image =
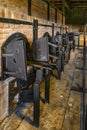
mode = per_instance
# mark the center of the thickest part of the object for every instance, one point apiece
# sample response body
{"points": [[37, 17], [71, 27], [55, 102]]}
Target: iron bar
{"points": [[48, 11], [14, 21], [47, 87], [56, 15], [52, 30], [35, 29], [29, 7], [36, 91]]}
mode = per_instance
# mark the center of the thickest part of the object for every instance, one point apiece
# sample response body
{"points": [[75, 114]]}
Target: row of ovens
{"points": [[31, 65]]}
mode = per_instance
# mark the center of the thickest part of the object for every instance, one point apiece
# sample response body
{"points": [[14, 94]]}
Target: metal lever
{"points": [[12, 73], [51, 44], [53, 56], [7, 55]]}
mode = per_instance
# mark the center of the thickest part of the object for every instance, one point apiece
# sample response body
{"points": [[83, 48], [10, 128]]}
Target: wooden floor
{"points": [[62, 113]]}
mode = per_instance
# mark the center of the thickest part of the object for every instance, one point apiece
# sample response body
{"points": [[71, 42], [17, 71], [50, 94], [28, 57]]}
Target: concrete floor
{"points": [[63, 112]]}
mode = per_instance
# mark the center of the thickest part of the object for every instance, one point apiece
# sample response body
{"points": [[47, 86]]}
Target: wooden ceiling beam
{"points": [[79, 4], [62, 2]]}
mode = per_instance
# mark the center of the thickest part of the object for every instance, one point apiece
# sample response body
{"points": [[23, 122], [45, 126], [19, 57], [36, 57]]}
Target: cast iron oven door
{"points": [[14, 57]]}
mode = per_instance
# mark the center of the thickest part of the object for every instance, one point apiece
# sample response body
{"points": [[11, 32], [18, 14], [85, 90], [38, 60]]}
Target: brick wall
{"points": [[42, 30], [59, 18], [73, 28], [63, 20], [20, 6], [52, 14], [39, 9]]}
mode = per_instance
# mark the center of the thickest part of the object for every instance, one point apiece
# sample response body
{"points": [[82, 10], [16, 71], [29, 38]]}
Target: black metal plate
{"points": [[41, 49], [58, 39]]}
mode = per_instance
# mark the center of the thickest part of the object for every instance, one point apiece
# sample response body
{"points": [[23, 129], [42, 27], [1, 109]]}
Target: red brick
{"points": [[12, 26], [17, 15], [6, 25], [52, 14], [1, 31], [7, 30], [1, 12], [7, 13], [5, 36], [1, 36], [1, 42], [16, 26], [1, 25]]}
